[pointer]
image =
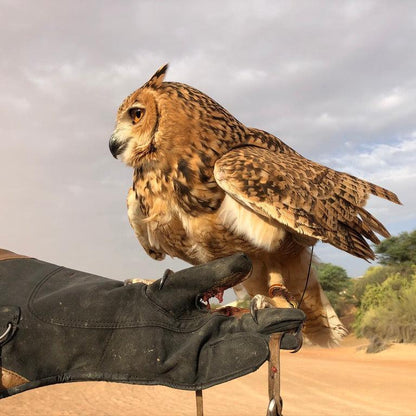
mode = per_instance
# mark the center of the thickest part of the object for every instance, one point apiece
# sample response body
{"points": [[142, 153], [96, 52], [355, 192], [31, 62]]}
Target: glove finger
{"points": [[271, 320], [180, 289]]}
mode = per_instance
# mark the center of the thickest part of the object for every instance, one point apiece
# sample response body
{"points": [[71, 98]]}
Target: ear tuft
{"points": [[158, 77]]}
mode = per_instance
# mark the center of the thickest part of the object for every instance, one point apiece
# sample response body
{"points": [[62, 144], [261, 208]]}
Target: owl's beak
{"points": [[116, 146]]}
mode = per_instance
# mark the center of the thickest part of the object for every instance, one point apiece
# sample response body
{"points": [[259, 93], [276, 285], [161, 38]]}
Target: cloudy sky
{"points": [[334, 80]]}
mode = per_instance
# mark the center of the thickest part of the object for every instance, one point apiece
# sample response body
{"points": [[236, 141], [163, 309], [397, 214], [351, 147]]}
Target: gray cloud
{"points": [[336, 81]]}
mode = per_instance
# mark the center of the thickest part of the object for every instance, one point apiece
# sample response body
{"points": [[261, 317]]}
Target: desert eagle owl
{"points": [[206, 186]]}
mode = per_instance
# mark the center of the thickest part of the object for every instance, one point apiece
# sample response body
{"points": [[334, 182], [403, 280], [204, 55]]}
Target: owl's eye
{"points": [[136, 114]]}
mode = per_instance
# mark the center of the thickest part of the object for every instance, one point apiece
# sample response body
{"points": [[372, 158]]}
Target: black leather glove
{"points": [[63, 325]]}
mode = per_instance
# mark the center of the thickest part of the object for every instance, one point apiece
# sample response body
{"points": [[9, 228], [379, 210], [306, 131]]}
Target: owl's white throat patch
{"points": [[246, 223]]}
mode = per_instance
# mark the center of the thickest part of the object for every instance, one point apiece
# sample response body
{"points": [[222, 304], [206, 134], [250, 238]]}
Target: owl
{"points": [[206, 186]]}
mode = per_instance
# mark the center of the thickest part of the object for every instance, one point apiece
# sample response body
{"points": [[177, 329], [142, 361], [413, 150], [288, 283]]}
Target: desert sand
{"points": [[315, 381]]}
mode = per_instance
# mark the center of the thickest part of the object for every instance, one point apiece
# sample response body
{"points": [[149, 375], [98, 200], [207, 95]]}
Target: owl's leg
{"points": [[256, 284], [277, 291], [266, 286]]}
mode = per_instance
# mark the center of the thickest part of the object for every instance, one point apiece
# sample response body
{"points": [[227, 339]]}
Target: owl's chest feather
{"points": [[161, 204], [195, 221]]}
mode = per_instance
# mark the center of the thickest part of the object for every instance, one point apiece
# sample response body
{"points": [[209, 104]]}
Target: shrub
{"points": [[388, 310]]}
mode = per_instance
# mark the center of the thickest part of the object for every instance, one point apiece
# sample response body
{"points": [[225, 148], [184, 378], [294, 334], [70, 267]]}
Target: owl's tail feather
{"points": [[324, 328]]}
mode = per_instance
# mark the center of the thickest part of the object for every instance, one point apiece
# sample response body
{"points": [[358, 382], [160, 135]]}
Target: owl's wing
{"points": [[306, 197]]}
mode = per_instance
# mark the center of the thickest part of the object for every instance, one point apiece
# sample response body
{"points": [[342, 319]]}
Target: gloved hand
{"points": [[75, 326]]}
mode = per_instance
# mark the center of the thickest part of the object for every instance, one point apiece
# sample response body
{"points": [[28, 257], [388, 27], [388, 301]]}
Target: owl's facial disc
{"points": [[132, 138], [128, 148]]}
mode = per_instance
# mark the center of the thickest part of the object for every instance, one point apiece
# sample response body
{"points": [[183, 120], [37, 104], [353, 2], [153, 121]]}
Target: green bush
{"points": [[388, 310], [373, 275], [377, 275]]}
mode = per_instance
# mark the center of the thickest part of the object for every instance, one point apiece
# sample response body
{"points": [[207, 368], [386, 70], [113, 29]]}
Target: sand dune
{"points": [[315, 381]]}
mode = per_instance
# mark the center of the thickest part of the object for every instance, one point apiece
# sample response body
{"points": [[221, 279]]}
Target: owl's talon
{"points": [[298, 335], [137, 280], [254, 309], [258, 302], [166, 274]]}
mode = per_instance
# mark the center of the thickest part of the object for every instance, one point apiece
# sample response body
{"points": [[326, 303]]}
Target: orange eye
{"points": [[136, 114]]}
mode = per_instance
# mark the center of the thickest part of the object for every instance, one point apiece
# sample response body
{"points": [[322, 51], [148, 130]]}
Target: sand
{"points": [[315, 381]]}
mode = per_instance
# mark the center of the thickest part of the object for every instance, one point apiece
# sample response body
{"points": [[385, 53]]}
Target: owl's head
{"points": [[164, 119], [137, 122]]}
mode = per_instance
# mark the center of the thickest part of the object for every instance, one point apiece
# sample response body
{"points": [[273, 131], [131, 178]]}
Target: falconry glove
{"points": [[60, 325]]}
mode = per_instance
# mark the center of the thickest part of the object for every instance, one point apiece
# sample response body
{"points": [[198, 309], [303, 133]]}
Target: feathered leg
{"points": [[279, 284]]}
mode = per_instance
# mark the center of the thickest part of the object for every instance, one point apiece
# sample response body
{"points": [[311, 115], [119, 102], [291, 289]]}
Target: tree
{"points": [[398, 250], [332, 278], [335, 283]]}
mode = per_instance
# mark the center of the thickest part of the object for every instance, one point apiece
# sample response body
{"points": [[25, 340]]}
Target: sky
{"points": [[335, 80]]}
